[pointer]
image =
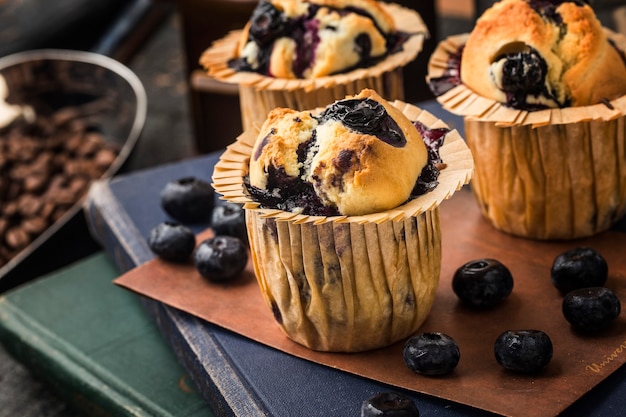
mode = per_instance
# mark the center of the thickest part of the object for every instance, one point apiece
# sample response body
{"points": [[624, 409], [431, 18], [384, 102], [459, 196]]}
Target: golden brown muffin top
{"points": [[314, 38], [530, 53], [357, 171]]}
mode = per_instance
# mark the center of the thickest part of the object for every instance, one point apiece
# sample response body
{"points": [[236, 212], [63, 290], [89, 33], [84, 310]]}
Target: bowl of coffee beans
{"points": [[67, 118]]}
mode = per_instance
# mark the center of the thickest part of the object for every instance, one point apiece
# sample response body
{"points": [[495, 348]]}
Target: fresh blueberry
{"points": [[591, 309], [188, 199], [389, 404], [482, 283], [579, 268], [221, 258], [229, 219], [431, 353], [524, 351], [172, 241]]}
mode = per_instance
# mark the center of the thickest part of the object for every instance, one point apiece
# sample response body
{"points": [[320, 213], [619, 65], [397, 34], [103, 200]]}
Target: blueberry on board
{"points": [[188, 199], [524, 351], [221, 258], [389, 404], [172, 241], [591, 309], [482, 283], [578, 268], [229, 219], [431, 353]]}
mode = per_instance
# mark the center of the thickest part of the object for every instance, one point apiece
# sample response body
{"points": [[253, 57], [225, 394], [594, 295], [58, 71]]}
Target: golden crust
{"points": [[577, 53], [281, 151], [372, 7], [378, 177], [373, 183]]}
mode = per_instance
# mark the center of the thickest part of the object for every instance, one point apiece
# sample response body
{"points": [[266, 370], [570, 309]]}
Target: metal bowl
{"points": [[46, 80]]}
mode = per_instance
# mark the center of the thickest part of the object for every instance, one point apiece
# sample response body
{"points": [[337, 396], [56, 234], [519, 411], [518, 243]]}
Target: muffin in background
{"points": [[347, 283], [543, 118], [303, 54]]}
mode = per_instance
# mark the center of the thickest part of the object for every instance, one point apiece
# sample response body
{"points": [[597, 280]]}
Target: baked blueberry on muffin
{"points": [[338, 162], [314, 38]]}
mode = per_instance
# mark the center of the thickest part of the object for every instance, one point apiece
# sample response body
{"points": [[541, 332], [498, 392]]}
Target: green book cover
{"points": [[94, 344]]}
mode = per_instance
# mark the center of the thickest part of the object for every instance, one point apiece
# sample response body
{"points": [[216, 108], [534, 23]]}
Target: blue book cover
{"points": [[236, 375]]}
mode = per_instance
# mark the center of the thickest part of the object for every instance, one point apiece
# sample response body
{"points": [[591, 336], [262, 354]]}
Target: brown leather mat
{"points": [[579, 363]]}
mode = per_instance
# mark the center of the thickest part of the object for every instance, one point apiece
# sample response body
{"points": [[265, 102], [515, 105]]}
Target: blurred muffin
{"points": [[303, 54], [301, 39], [339, 282], [543, 117]]}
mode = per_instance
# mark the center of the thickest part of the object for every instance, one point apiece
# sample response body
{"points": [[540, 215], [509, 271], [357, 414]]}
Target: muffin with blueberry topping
{"points": [[542, 87], [303, 54], [342, 210], [555, 54]]}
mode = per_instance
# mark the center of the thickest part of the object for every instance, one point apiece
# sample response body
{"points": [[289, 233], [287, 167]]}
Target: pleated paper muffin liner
{"points": [[547, 174], [259, 94], [348, 283]]}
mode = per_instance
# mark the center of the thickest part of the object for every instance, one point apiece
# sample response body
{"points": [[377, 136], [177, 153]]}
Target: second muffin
{"points": [[542, 87]]}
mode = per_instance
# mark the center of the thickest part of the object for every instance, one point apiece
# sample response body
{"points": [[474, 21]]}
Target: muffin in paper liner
{"points": [[348, 283], [556, 173], [259, 94]]}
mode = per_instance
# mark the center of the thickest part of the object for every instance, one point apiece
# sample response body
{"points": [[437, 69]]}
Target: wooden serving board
{"points": [[579, 362]]}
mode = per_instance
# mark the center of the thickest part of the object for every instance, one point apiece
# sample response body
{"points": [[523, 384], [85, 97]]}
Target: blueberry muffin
{"points": [[533, 54], [303, 54], [314, 38], [335, 281], [542, 88]]}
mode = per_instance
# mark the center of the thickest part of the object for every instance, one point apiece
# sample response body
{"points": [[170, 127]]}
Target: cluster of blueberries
{"points": [[579, 274], [191, 200]]}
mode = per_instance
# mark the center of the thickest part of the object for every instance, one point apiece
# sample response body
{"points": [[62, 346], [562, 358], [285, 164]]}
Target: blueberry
{"points": [[431, 354], [363, 46], [366, 116], [172, 241], [524, 351], [188, 199], [579, 268], [266, 23], [482, 283], [591, 309], [229, 219], [523, 72], [221, 258], [389, 404]]}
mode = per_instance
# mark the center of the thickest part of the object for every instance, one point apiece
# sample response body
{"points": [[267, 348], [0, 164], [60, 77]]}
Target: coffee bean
{"points": [[17, 238], [28, 205], [35, 225], [46, 166]]}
